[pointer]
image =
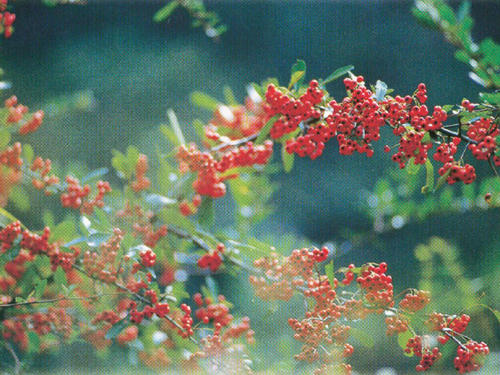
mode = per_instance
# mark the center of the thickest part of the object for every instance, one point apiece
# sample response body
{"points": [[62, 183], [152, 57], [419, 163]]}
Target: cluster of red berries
{"points": [[43, 168], [212, 312], [484, 131], [377, 285], [455, 173], [127, 335], [101, 264], [395, 325], [150, 237], [141, 181], [429, 357], [7, 19], [209, 180], [212, 260], [456, 325], [349, 275], [11, 156], [422, 93], [292, 111], [186, 322], [187, 208], [9, 234], [470, 357], [236, 121], [445, 151], [415, 301], [73, 198], [148, 258]]}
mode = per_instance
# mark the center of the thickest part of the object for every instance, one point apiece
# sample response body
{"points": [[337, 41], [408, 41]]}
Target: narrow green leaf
{"points": [[463, 10], [175, 126], [229, 96], [212, 287], [330, 272], [264, 132], [412, 168], [4, 138], [40, 288], [117, 328], [429, 179], [403, 339], [60, 277], [287, 159], [298, 74], [206, 212], [166, 11], [203, 100], [441, 180], [337, 74], [33, 342]]}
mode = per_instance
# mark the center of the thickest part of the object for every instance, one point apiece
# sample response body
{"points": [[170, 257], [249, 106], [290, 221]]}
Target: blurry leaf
{"points": [[212, 287], [76, 241], [166, 11], [102, 220], [4, 138], [229, 96], [492, 98], [94, 174], [403, 340], [298, 74], [203, 100], [95, 239], [363, 337], [266, 129], [412, 168], [117, 328], [169, 135], [28, 152], [60, 277], [20, 198], [156, 202], [380, 90], [175, 126], [206, 212], [287, 159], [441, 180], [337, 74], [429, 179], [40, 289], [463, 10], [330, 272], [33, 342]]}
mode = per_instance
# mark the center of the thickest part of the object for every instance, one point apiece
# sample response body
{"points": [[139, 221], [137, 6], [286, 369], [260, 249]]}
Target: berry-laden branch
{"points": [[122, 243]]}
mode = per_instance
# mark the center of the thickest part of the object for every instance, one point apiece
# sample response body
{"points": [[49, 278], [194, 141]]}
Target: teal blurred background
{"points": [[131, 70]]}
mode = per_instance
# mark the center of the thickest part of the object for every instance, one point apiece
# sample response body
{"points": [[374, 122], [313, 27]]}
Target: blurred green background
{"points": [[124, 72]]}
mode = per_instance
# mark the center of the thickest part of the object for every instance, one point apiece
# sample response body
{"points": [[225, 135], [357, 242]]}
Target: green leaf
{"points": [[203, 100], [492, 98], [441, 180], [28, 153], [4, 138], [264, 132], [117, 328], [337, 74], [287, 159], [403, 340], [363, 337], [175, 126], [212, 287], [463, 10], [33, 342], [429, 179], [40, 288], [95, 174], [330, 272], [412, 168], [206, 212], [166, 11], [298, 74], [229, 96], [60, 277]]}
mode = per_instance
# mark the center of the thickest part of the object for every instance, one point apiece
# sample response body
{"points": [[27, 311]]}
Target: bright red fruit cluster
{"points": [[212, 260]]}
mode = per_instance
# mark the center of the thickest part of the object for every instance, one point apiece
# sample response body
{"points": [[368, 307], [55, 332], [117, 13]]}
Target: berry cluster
{"points": [[212, 260], [6, 19], [148, 258], [101, 264], [470, 357], [415, 301], [377, 285], [210, 172]]}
